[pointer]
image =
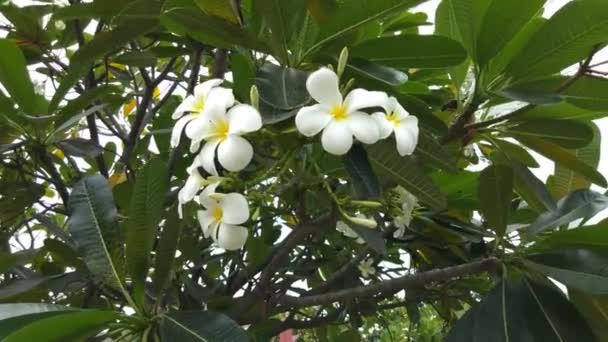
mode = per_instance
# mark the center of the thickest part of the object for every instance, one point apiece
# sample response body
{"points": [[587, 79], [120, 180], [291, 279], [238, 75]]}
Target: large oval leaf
{"points": [[15, 77], [495, 193], [197, 326], [398, 51], [565, 133]]}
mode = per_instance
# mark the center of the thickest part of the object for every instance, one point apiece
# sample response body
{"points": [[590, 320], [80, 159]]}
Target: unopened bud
{"points": [[254, 97], [367, 204], [362, 221], [342, 61]]}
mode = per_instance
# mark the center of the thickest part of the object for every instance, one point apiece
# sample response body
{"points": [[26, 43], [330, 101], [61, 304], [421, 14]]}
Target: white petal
{"points": [[363, 127], [323, 87], [207, 156], [390, 105], [221, 97], [202, 90], [312, 119], [406, 135], [176, 133], [400, 111], [195, 146], [231, 237], [199, 128], [385, 127], [243, 118], [205, 219], [337, 138], [361, 98], [234, 153], [186, 106], [192, 186], [235, 208], [205, 197]]}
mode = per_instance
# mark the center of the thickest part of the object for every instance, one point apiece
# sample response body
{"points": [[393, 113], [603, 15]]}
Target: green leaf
{"points": [[165, 253], [589, 93], [568, 37], [580, 268], [565, 158], [186, 326], [16, 316], [147, 199], [19, 286], [397, 51], [594, 309], [376, 73], [15, 77], [532, 189], [565, 133], [431, 151], [495, 193], [404, 170], [502, 21], [516, 152], [557, 111], [566, 181], [82, 102], [79, 147], [64, 327], [220, 8], [583, 237], [136, 58], [276, 13], [374, 238], [521, 310], [364, 180], [461, 20], [579, 204], [243, 70], [103, 43], [282, 90], [93, 224]]}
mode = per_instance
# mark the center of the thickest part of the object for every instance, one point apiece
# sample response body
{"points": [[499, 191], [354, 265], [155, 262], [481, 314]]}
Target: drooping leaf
{"points": [[79, 147], [584, 237], [146, 210], [363, 178], [165, 252], [580, 268], [495, 191], [199, 326], [532, 189], [589, 93], [521, 310], [15, 77], [404, 170], [93, 224], [501, 22], [579, 204], [397, 51], [516, 152], [565, 133], [568, 37], [564, 158], [461, 20]]}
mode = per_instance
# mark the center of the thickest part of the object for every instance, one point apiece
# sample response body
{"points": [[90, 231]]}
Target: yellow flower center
{"points": [[392, 118], [338, 112], [221, 129], [199, 105], [217, 213]]}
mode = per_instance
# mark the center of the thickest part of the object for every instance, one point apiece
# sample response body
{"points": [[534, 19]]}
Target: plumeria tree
{"points": [[207, 170]]}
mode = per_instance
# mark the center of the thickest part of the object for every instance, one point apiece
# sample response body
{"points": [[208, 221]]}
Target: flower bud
{"points": [[254, 97], [342, 61], [363, 221]]}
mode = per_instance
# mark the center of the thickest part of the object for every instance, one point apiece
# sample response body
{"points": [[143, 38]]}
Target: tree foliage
{"points": [[104, 232]]}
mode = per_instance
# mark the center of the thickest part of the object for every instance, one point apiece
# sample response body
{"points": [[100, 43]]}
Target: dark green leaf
{"points": [[565, 133], [282, 87], [93, 224], [19, 286], [136, 58], [64, 327], [516, 152], [579, 204], [81, 103], [186, 326], [165, 252], [378, 73], [146, 210], [220, 8], [431, 151], [373, 237], [581, 268], [568, 37], [278, 16], [532, 189], [521, 310], [589, 93], [502, 21], [594, 309], [495, 192], [404, 170], [584, 237], [79, 147], [557, 111], [564, 157], [461, 20], [15, 77], [363, 178], [397, 51]]}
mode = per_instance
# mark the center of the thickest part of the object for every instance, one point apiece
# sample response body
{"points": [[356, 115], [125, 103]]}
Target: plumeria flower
{"points": [[366, 267], [396, 119], [193, 185], [339, 119], [408, 203], [193, 111], [361, 220], [223, 217], [223, 134]]}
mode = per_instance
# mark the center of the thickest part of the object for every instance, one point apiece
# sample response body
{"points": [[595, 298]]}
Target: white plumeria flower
{"points": [[408, 203], [194, 183], [339, 119], [193, 111], [396, 119], [223, 134], [366, 267], [223, 217], [345, 229]]}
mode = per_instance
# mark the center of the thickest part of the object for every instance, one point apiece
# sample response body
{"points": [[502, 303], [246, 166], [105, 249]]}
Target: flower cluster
{"points": [[407, 202], [212, 118], [341, 119]]}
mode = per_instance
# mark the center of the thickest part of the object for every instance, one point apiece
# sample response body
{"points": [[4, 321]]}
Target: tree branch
{"points": [[394, 285]]}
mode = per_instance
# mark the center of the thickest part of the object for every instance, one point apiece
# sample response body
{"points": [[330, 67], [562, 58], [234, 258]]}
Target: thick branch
{"points": [[394, 285]]}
